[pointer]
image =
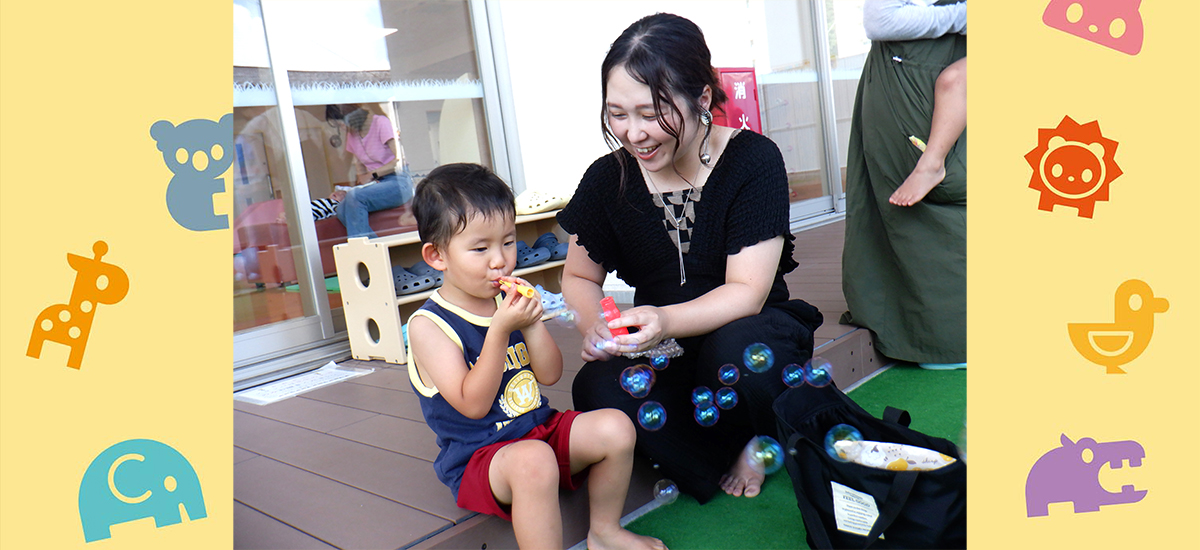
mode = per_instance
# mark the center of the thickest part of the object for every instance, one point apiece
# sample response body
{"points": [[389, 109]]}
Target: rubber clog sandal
{"points": [[409, 283], [547, 240], [423, 269], [527, 256], [532, 202]]}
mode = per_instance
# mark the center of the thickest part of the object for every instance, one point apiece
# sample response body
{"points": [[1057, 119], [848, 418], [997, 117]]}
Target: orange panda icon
{"points": [[1073, 165]]}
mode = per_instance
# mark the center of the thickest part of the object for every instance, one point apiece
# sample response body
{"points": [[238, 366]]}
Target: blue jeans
{"points": [[390, 191]]}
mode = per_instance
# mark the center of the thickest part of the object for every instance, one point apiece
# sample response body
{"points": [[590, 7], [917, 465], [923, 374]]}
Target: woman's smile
{"points": [[646, 153]]}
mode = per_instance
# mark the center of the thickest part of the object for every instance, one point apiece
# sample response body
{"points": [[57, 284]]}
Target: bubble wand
{"points": [[525, 291]]}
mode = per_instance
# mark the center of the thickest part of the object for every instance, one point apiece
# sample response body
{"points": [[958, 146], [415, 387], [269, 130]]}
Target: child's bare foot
{"points": [[923, 178], [621, 539], [742, 479]]}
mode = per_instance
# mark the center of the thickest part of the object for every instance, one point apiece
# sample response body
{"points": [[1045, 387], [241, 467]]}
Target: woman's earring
{"points": [[706, 117]]}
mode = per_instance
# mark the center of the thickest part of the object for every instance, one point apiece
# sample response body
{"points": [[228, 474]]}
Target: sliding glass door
{"points": [[311, 79]]}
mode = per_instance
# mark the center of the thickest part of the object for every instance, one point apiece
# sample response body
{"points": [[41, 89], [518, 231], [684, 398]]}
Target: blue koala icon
{"points": [[136, 479], [197, 152]]}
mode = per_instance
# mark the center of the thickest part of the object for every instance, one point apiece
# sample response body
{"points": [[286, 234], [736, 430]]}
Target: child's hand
{"points": [[517, 311]]}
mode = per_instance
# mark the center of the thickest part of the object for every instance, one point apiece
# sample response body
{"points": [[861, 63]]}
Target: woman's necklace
{"points": [[689, 197]]}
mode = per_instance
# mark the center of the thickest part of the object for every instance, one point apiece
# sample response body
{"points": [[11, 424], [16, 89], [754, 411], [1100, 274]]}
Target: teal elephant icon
{"points": [[136, 479]]}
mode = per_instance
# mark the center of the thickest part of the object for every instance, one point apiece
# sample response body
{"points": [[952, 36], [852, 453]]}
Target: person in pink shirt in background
{"points": [[383, 181]]}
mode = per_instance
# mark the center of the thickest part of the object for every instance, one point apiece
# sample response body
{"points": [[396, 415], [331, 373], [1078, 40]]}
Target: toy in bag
{"points": [[846, 504]]}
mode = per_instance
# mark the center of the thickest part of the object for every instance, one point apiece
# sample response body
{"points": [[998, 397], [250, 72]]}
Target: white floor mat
{"points": [[298, 384]]}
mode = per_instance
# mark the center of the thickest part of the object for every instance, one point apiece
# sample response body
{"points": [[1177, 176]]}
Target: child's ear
{"points": [[433, 256]]}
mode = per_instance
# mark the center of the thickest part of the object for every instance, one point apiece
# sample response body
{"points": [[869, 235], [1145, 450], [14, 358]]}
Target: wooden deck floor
{"points": [[350, 465]]}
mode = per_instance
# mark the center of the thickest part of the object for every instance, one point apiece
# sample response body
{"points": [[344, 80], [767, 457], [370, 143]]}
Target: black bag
{"points": [[916, 509]]}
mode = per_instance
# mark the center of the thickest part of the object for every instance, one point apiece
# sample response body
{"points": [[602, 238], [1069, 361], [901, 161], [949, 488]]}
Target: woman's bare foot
{"points": [[621, 539], [924, 178], [742, 480]]}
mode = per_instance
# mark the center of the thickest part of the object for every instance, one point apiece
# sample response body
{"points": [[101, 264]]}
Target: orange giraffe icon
{"points": [[1123, 340], [95, 283]]}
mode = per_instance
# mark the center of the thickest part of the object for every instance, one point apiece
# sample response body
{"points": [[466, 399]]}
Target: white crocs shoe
{"points": [[532, 202]]}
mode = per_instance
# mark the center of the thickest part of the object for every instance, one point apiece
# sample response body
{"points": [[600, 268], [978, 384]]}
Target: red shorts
{"points": [[475, 489]]}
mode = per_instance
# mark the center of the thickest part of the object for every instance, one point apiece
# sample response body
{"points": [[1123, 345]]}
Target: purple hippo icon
{"points": [[1070, 474]]}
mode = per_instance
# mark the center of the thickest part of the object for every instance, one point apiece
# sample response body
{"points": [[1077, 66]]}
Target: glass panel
{"points": [[384, 92], [265, 287], [787, 78], [848, 47]]}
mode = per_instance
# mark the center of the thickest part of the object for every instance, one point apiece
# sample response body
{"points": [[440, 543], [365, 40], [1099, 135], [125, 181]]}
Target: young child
{"points": [[476, 359], [949, 121], [904, 20]]}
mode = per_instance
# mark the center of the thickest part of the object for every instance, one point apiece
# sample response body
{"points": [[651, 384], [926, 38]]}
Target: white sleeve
{"points": [[912, 20]]}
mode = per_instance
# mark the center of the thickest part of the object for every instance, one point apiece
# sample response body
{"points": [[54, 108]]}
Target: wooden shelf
{"points": [[422, 296], [375, 314]]}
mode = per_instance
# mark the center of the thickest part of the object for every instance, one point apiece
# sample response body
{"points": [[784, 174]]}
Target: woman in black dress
{"points": [[695, 217]]}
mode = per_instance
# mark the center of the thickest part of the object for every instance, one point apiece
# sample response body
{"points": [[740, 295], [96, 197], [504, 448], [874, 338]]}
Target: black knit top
{"points": [[745, 202]]}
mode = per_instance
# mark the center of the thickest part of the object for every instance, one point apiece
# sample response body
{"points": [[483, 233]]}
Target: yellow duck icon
{"points": [[1123, 340]]}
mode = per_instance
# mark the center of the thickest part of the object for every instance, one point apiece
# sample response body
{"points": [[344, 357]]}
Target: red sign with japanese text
{"points": [[741, 110]]}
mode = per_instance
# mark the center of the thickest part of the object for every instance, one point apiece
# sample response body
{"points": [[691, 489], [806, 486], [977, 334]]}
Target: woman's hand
{"points": [[600, 345], [597, 343], [651, 323]]}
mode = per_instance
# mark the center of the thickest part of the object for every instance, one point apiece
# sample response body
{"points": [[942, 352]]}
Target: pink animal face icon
{"points": [[1116, 24]]}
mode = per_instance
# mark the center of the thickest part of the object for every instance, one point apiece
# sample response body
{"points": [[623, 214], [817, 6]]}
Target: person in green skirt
{"points": [[904, 263]]}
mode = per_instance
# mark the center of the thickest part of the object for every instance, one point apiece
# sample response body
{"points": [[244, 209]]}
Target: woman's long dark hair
{"points": [[667, 53]]}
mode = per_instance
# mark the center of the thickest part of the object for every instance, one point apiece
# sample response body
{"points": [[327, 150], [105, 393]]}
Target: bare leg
{"points": [[604, 439], [742, 479], [525, 476], [949, 121]]}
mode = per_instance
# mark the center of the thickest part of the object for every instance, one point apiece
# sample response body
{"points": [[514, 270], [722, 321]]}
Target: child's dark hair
{"points": [[667, 53], [447, 198]]}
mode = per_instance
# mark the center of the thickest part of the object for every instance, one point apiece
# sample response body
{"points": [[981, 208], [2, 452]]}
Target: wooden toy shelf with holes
{"points": [[375, 314]]}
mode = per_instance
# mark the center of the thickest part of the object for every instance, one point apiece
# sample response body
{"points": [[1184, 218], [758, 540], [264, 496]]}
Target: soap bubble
{"points": [[758, 357], [652, 415], [764, 454], [707, 414], [702, 396], [726, 398], [660, 362], [793, 375], [728, 374], [563, 317], [637, 380], [665, 492], [841, 432], [818, 372]]}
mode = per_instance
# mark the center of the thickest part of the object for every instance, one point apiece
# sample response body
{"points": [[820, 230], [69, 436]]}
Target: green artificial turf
{"points": [[935, 399], [331, 285]]}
